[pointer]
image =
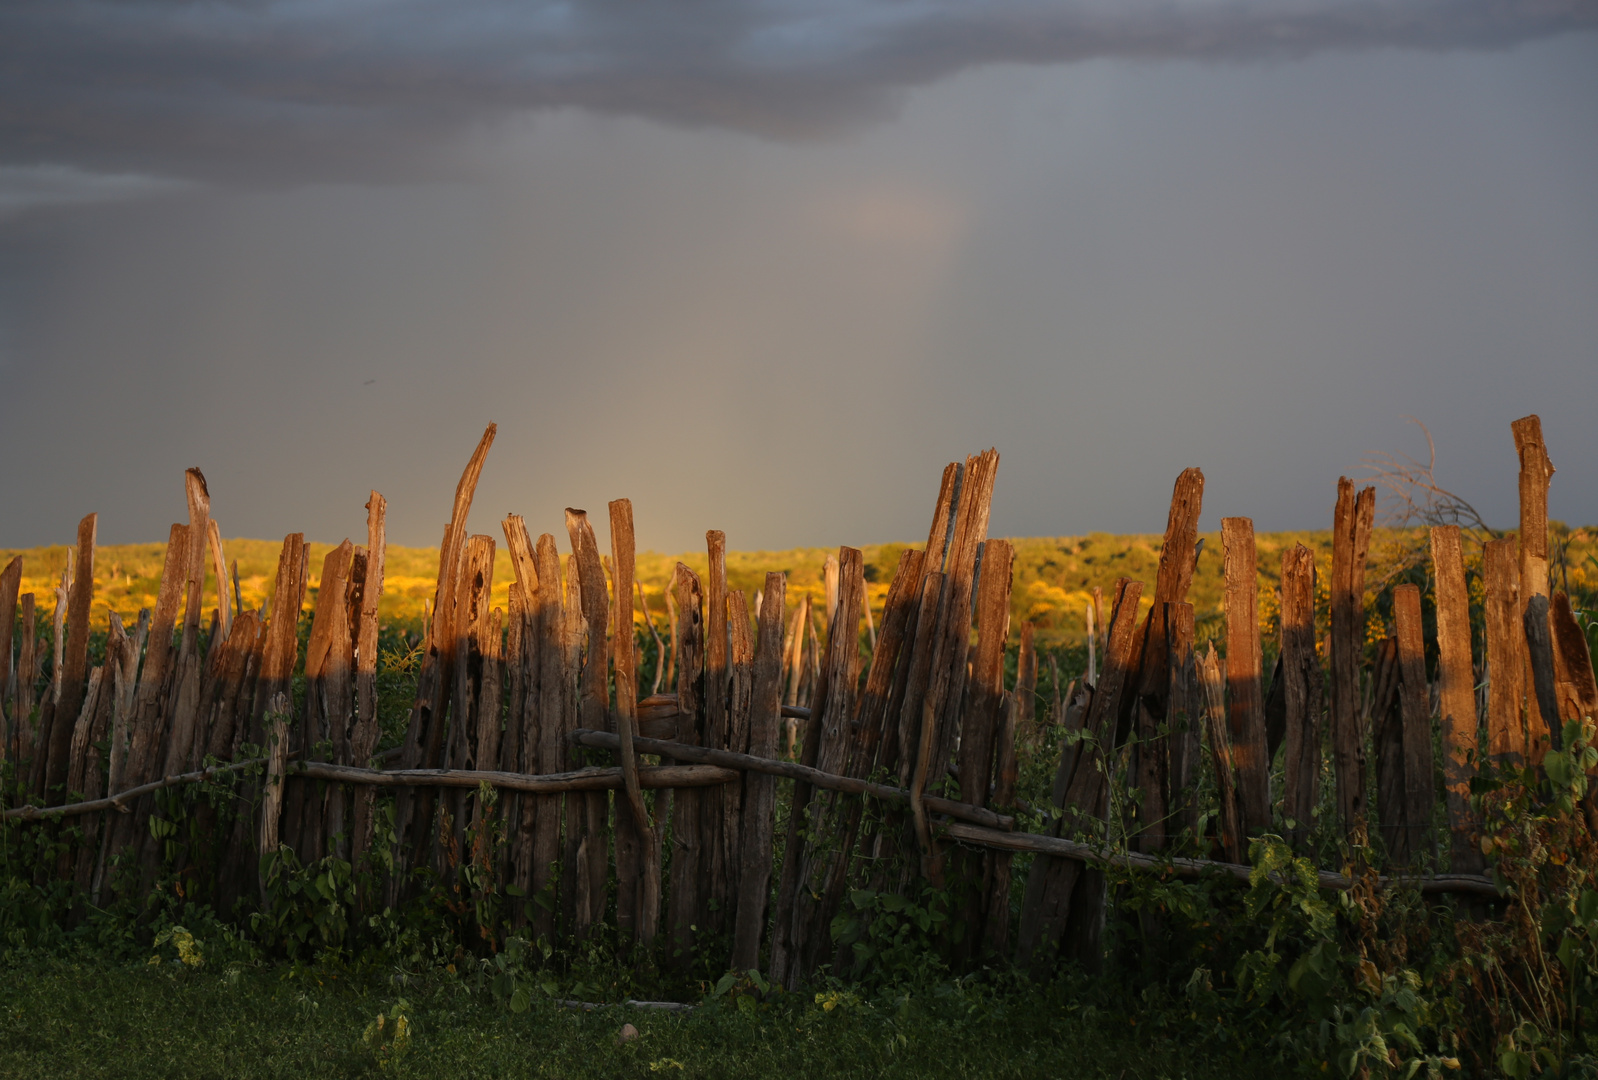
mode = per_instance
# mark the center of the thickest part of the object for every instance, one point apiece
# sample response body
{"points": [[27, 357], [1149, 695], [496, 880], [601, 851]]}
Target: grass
{"points": [[60, 1019]]}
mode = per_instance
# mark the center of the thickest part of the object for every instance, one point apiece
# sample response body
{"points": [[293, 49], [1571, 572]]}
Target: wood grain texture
{"points": [[423, 734], [549, 709], [878, 743], [10, 585], [983, 713], [1456, 695], [364, 732], [938, 730], [25, 731], [714, 733], [1211, 679], [760, 789], [1245, 715], [1411, 834], [74, 664], [1147, 708], [740, 698], [687, 856], [144, 728], [624, 652], [1542, 720], [1536, 473], [593, 602], [1301, 683], [950, 664], [183, 706], [826, 847], [1388, 749], [1506, 652], [1351, 530], [1185, 715]]}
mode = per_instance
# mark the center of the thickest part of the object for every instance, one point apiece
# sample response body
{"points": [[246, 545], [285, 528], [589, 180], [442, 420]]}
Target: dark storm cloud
{"points": [[270, 90]]}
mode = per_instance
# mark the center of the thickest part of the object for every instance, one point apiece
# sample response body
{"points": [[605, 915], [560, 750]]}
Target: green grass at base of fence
{"points": [[59, 1018]]}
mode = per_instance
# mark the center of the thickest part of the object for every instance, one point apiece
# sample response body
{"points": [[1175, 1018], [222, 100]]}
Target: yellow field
{"points": [[1054, 577]]}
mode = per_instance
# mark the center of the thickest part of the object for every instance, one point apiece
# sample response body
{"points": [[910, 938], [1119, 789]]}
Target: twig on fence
{"points": [[649, 776], [1475, 884], [1414, 498], [120, 800], [657, 776], [606, 740]]}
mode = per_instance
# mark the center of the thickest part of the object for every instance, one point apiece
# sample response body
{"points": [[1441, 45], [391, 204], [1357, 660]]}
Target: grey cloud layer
{"points": [[291, 89]]}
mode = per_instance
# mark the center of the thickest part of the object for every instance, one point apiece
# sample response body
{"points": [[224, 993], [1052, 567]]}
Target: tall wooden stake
{"points": [[1246, 705]]}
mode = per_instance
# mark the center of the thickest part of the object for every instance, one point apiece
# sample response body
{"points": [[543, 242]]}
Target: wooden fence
{"points": [[901, 757]]}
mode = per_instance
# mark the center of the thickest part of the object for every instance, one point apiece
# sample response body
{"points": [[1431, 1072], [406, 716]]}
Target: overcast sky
{"points": [[766, 267]]}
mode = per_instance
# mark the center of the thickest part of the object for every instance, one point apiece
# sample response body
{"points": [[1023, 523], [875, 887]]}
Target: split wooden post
{"points": [[1351, 532], [587, 852], [1301, 674], [985, 716], [25, 733], [277, 727], [878, 742], [825, 846], [625, 655], [760, 790], [1536, 473], [687, 855], [1414, 707], [1456, 694], [1146, 709], [544, 748], [301, 827], [953, 663], [1574, 684], [413, 811], [593, 706], [1246, 705], [740, 698], [231, 693], [1018, 710], [183, 701], [1185, 715], [273, 697], [518, 749], [1233, 841], [10, 582], [87, 776], [950, 645], [716, 895], [74, 667], [1506, 653], [1546, 731], [1387, 738], [364, 733], [145, 731], [335, 674]]}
